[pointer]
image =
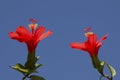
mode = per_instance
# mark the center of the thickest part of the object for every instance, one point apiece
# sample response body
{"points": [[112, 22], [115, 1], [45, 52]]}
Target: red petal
{"points": [[15, 36], [98, 44], [24, 34], [21, 34], [39, 31], [78, 45], [92, 39], [104, 37], [22, 31], [44, 35], [92, 50]]}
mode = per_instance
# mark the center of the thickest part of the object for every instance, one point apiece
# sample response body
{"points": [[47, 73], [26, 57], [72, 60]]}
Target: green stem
{"points": [[107, 77], [30, 63], [25, 76], [95, 61]]}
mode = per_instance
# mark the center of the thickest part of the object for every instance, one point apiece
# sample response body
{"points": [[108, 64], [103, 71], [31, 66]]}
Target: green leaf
{"points": [[19, 68], [35, 77], [22, 69], [101, 67], [112, 70], [38, 65], [38, 57], [102, 63]]}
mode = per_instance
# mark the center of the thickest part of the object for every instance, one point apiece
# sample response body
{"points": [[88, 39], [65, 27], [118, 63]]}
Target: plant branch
{"points": [[25, 76]]}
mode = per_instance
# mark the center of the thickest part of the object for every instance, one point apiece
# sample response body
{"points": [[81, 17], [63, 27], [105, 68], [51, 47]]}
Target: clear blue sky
{"points": [[67, 19]]}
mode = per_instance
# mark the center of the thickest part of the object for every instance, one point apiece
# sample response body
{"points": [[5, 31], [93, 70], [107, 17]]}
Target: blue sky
{"points": [[67, 19]]}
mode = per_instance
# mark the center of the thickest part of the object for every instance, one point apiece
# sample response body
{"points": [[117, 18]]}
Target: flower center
{"points": [[33, 26], [88, 33]]}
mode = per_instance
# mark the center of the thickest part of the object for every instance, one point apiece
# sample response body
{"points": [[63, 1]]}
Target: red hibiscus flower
{"points": [[30, 38], [92, 44]]}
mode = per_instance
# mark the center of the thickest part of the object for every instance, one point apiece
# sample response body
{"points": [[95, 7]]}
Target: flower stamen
{"points": [[33, 26], [88, 33]]}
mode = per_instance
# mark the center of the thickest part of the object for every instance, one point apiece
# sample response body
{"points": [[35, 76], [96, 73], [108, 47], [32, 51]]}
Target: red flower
{"points": [[30, 38], [92, 44]]}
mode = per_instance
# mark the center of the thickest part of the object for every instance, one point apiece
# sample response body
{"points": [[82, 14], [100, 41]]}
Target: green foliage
{"points": [[20, 68], [38, 65], [112, 70], [101, 67], [35, 77], [30, 67]]}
